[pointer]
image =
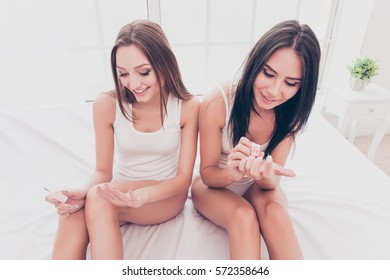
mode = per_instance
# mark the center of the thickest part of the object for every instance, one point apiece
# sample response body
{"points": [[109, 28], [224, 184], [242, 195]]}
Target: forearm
{"points": [[216, 177], [164, 189], [96, 178]]}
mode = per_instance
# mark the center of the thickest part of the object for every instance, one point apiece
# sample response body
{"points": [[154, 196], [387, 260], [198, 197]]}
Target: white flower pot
{"points": [[358, 84]]}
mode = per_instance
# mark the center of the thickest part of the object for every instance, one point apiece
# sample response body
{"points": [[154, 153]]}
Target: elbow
{"points": [[205, 179], [203, 176], [206, 182]]}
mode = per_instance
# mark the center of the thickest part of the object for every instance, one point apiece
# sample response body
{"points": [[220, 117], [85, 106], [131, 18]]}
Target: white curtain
{"points": [[34, 62]]}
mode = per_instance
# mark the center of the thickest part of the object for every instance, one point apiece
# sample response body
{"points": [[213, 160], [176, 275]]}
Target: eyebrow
{"points": [[136, 67], [290, 78]]}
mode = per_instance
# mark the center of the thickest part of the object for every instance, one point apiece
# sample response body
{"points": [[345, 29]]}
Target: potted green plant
{"points": [[362, 70]]}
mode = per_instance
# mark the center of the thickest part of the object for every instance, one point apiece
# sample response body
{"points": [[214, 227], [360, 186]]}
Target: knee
{"points": [[272, 213], [243, 219], [95, 205]]}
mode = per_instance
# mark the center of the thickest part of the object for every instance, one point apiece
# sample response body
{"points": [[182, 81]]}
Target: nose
{"points": [[133, 82], [275, 88]]}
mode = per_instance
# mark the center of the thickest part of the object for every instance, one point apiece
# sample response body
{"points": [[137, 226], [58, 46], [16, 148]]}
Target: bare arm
{"points": [[211, 121], [103, 119]]}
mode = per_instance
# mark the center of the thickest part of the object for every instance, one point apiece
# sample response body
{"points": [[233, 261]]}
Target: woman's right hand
{"points": [[241, 151], [75, 201]]}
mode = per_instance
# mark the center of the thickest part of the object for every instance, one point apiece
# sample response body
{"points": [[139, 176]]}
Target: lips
{"points": [[267, 98], [139, 91]]}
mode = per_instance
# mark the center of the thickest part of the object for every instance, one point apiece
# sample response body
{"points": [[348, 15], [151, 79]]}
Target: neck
{"points": [[152, 103]]}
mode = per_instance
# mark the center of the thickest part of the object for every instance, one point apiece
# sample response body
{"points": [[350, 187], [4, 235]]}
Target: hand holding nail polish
{"points": [[255, 149], [57, 195], [68, 204]]}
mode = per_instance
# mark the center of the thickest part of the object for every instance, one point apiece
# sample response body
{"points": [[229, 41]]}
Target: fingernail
{"points": [[269, 158], [255, 150]]}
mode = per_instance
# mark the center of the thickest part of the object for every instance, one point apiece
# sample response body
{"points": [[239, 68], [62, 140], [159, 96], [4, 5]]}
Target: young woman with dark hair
{"points": [[247, 129]]}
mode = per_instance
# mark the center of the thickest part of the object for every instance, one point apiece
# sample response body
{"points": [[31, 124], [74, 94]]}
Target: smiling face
{"points": [[137, 74], [279, 80]]}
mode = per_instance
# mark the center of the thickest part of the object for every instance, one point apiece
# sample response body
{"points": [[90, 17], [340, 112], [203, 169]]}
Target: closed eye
{"points": [[268, 74], [292, 84], [146, 73], [122, 74]]}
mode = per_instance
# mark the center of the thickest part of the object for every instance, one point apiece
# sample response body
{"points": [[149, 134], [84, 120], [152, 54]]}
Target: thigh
{"points": [[217, 204], [153, 213]]}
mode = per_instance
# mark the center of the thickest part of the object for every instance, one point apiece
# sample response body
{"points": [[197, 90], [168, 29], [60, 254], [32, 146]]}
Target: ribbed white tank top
{"points": [[147, 155]]}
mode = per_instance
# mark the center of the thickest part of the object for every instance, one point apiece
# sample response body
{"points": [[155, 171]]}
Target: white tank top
{"points": [[147, 155], [226, 143]]}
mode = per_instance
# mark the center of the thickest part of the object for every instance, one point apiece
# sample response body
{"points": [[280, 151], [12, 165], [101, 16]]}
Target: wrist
{"points": [[142, 195]]}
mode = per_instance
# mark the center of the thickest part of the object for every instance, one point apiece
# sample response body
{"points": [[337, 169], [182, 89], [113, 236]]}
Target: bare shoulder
{"points": [[104, 105], [104, 100], [190, 110], [213, 105], [191, 104], [214, 99]]}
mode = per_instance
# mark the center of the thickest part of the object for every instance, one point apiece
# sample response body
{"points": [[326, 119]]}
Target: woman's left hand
{"points": [[131, 198]]}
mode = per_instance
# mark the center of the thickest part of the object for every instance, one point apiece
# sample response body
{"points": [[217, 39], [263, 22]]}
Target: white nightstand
{"points": [[372, 103]]}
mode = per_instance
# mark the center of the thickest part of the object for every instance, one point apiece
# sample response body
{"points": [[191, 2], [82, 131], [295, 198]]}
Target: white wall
{"points": [[377, 40], [349, 33], [376, 44], [361, 29]]}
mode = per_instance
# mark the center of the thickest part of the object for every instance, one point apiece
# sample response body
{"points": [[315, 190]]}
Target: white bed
{"points": [[339, 202]]}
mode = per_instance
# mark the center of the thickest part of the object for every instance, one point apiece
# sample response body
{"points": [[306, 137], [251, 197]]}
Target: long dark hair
{"points": [[292, 115], [151, 40]]}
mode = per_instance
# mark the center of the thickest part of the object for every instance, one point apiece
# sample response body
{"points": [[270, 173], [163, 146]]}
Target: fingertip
{"points": [[289, 173], [243, 139]]}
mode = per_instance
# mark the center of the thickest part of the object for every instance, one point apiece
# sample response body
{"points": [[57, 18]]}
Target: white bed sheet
{"points": [[339, 202]]}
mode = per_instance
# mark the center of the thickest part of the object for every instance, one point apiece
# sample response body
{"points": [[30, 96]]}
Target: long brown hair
{"points": [[151, 40]]}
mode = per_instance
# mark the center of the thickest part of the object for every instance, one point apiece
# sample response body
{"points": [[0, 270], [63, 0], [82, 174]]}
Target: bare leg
{"points": [[104, 219], [103, 227], [71, 240], [275, 223], [234, 214]]}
